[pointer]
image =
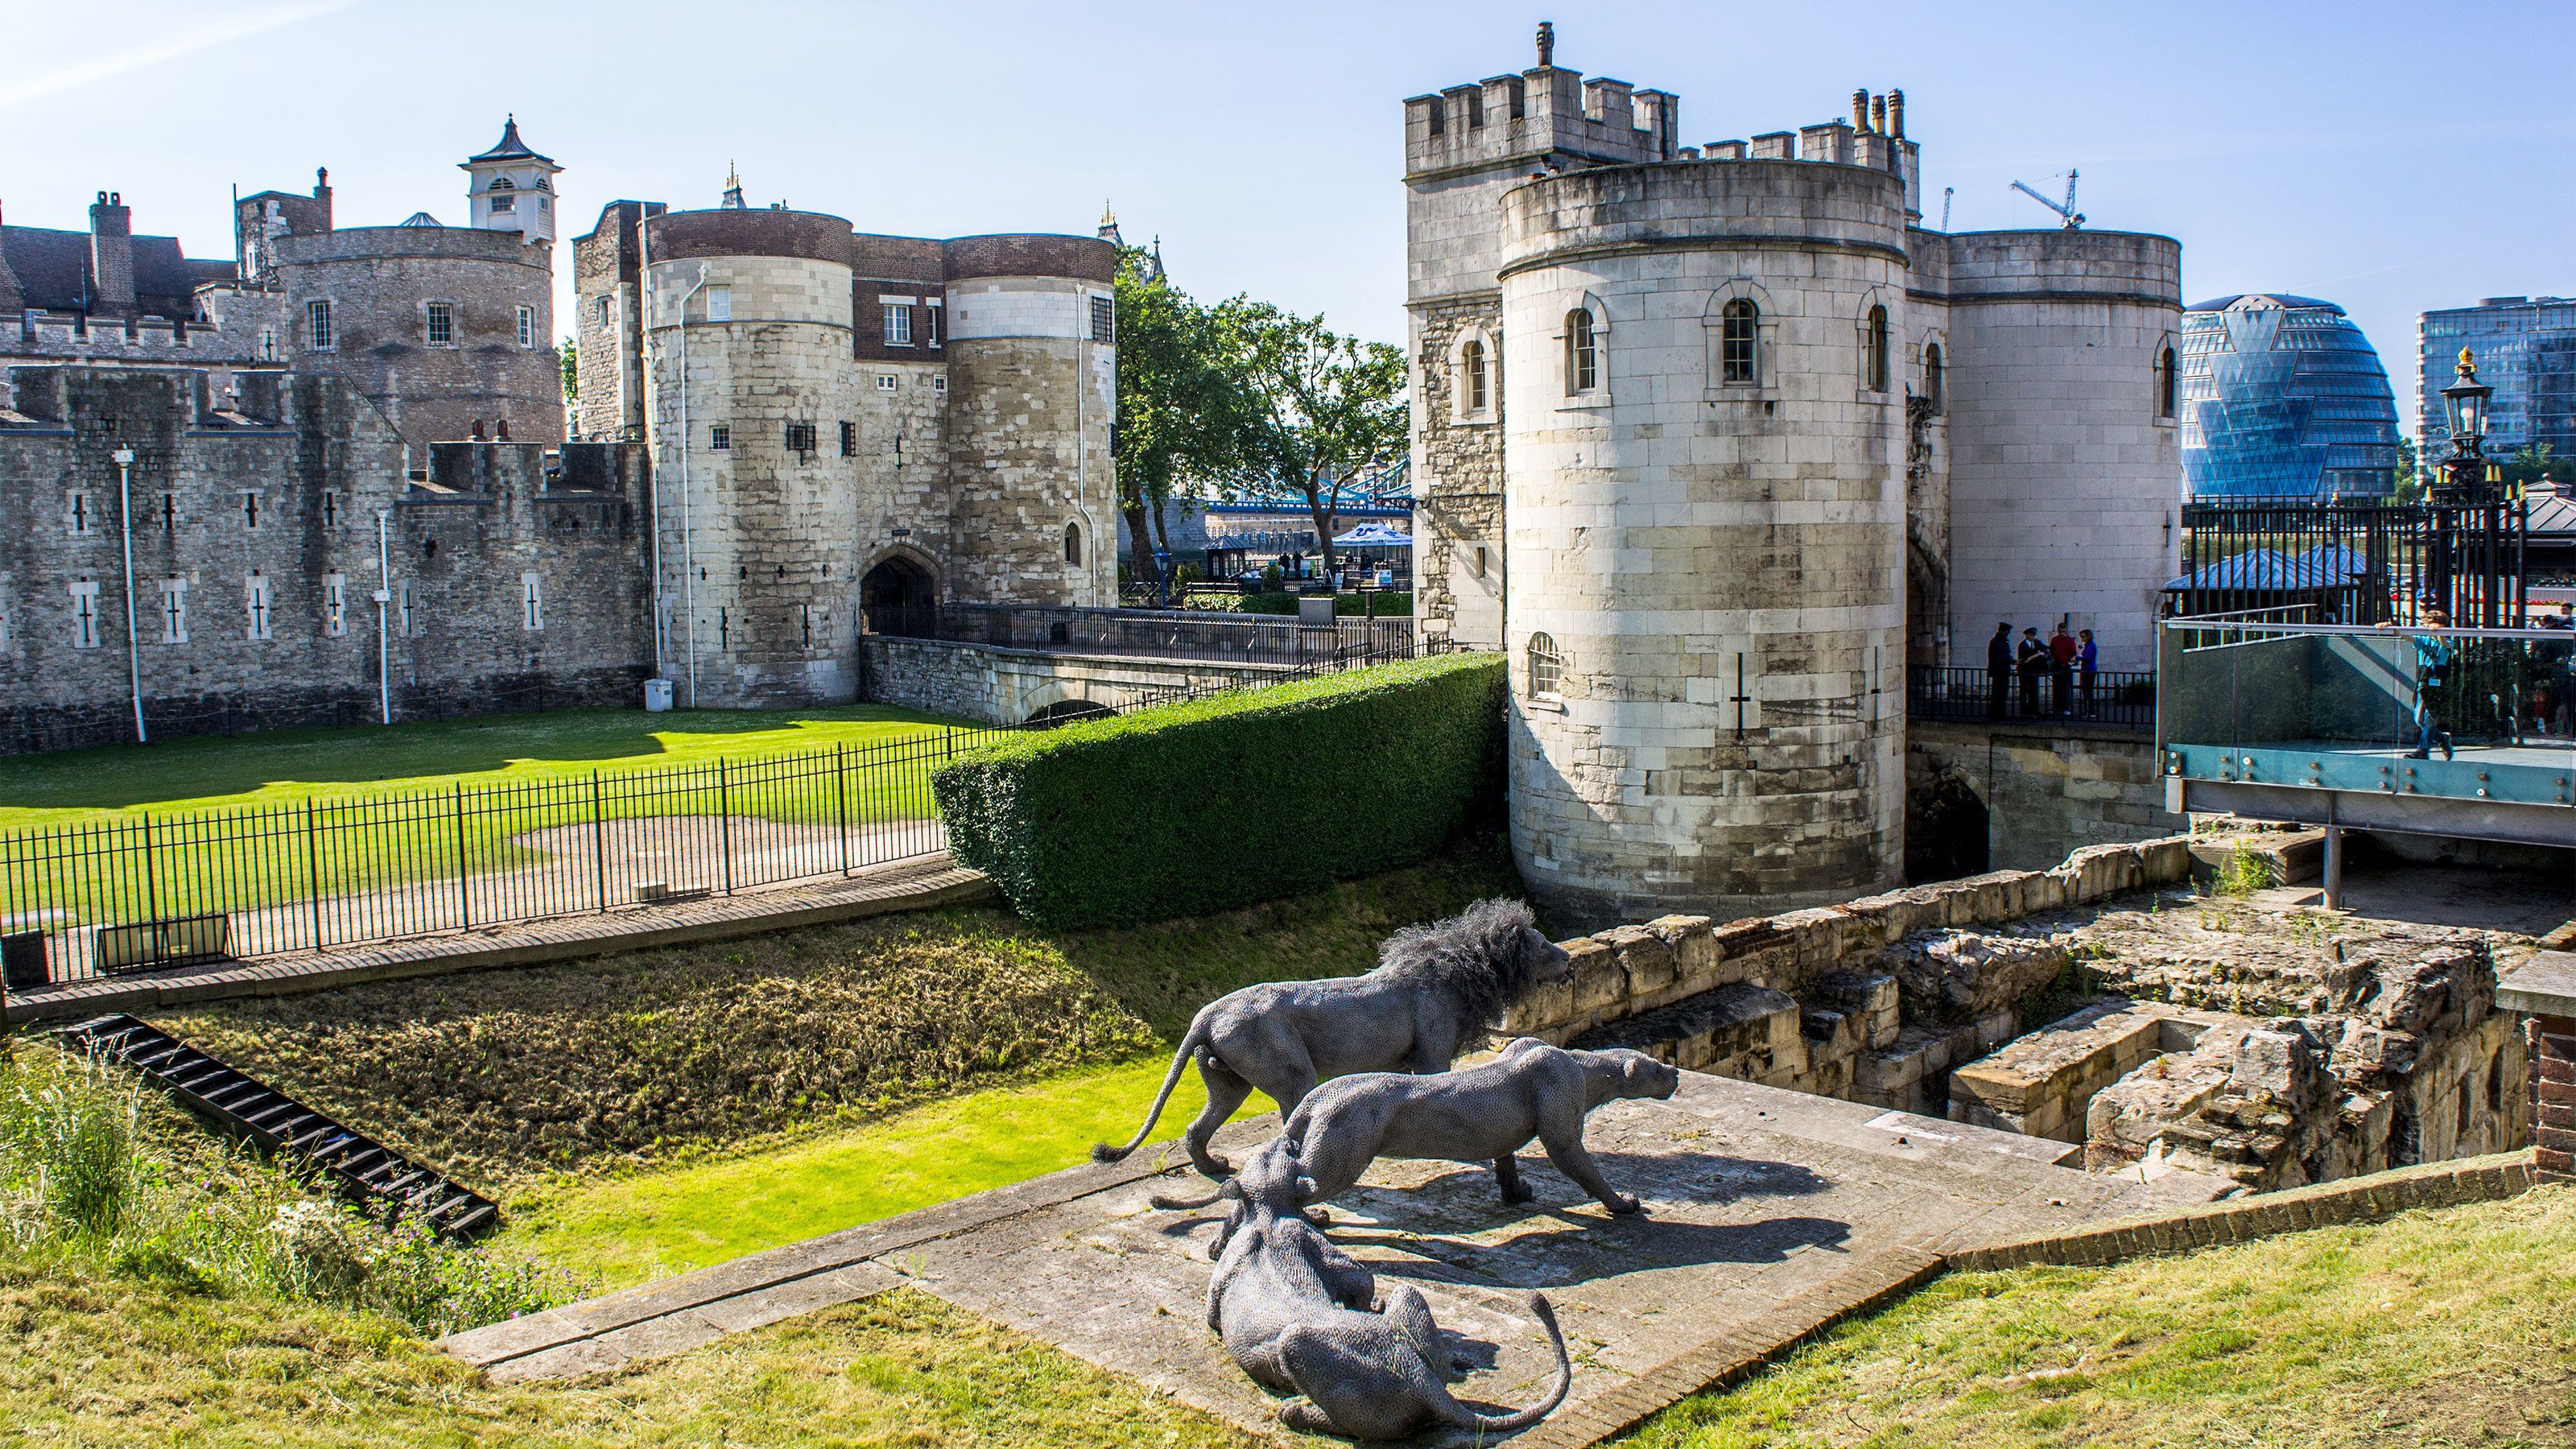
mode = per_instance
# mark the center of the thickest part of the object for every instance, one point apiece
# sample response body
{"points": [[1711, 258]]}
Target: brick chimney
{"points": [[111, 256]]}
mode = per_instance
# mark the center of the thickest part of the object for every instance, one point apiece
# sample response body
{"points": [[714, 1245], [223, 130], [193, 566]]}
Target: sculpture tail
{"points": [[1508, 1423], [1187, 1204], [1191, 1042]]}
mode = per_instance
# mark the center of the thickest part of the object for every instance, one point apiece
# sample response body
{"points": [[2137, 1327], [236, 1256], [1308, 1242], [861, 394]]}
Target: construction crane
{"points": [[2066, 212]]}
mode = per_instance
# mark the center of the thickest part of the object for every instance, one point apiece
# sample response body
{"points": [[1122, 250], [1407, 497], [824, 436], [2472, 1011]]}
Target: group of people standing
{"points": [[2067, 662]]}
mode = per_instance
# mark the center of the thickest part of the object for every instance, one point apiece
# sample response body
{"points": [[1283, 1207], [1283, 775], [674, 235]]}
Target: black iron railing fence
{"points": [[2108, 699], [2354, 562], [149, 891]]}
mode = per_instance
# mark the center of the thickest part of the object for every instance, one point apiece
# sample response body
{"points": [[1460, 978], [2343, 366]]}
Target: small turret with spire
{"points": [[1109, 227], [733, 189]]}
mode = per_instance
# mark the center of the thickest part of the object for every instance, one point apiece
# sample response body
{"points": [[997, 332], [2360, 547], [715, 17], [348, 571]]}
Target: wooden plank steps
{"points": [[375, 1177]]}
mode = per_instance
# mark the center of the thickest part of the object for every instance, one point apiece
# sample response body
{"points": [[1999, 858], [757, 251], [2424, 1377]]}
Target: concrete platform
{"points": [[1770, 1214]]}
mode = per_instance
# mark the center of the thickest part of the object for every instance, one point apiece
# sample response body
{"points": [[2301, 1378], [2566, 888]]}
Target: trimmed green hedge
{"points": [[1216, 803]]}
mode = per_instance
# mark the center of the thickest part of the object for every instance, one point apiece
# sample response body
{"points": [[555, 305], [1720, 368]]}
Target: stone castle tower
{"points": [[848, 430], [1716, 440]]}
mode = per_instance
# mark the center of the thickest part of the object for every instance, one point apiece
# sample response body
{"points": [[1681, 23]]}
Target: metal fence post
{"points": [[841, 800], [151, 876], [598, 842], [464, 892], [313, 869], [724, 821]]}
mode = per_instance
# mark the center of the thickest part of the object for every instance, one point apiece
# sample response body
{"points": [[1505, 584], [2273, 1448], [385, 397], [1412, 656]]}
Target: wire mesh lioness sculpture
{"points": [[1294, 1311], [1485, 1113], [1435, 987]]}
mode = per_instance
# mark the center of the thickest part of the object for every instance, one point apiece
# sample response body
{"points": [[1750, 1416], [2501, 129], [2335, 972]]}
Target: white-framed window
{"points": [[1546, 664], [886, 382], [317, 324], [1739, 342], [898, 324], [720, 437], [441, 324], [1104, 320], [85, 624], [81, 513], [1471, 379], [532, 603], [930, 323], [335, 604], [256, 623], [719, 304], [528, 327], [939, 386], [174, 610], [1582, 354], [503, 197]]}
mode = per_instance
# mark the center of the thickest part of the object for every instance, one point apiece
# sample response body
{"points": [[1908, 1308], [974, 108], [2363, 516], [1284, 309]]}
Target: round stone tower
{"points": [[2067, 491], [1705, 512], [749, 374], [1033, 383]]}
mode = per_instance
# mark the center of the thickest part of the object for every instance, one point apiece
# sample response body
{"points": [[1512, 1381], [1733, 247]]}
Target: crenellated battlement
{"points": [[1544, 115]]}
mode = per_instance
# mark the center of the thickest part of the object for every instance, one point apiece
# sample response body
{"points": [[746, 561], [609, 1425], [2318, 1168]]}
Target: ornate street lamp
{"points": [[2465, 473]]}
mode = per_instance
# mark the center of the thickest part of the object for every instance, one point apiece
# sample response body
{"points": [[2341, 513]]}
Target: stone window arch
{"points": [[1073, 544], [1743, 332], [2167, 365], [1472, 365], [1582, 352], [1936, 374], [1546, 664], [1874, 330]]}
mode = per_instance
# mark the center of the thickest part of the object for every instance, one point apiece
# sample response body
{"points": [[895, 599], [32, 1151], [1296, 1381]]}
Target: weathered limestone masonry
{"points": [[1010, 686], [2018, 797], [852, 430], [1746, 441], [513, 576], [2269, 1050]]}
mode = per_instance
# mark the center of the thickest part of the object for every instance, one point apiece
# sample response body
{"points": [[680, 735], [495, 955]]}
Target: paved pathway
{"points": [[1771, 1213], [915, 885]]}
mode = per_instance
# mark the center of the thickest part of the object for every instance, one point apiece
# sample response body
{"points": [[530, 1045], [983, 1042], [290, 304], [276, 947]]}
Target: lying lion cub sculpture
{"points": [[1435, 988], [1293, 1311], [1482, 1114]]}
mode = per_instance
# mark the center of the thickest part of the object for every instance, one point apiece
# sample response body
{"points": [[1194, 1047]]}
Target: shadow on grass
{"points": [[198, 767]]}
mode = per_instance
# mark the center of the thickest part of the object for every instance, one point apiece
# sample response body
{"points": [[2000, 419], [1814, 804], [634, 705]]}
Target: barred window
{"points": [[317, 324], [720, 437], [1582, 352], [442, 325], [849, 440], [1104, 320], [800, 438], [898, 324], [1739, 333], [1546, 665]]}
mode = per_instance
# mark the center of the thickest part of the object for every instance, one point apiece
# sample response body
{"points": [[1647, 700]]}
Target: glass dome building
{"points": [[2283, 397]]}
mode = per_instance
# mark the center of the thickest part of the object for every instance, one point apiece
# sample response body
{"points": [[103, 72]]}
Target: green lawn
{"points": [[626, 1229], [2452, 1327], [269, 818]]}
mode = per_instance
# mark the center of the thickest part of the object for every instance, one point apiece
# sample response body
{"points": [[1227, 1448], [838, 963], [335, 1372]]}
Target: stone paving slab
{"points": [[1770, 1215], [878, 890]]}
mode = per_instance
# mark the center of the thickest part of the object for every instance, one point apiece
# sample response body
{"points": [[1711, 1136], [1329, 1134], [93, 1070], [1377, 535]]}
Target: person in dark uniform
{"points": [[1999, 668], [2033, 660]]}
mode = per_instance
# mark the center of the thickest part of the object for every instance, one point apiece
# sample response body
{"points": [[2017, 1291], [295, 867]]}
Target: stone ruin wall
{"points": [[1937, 1000]]}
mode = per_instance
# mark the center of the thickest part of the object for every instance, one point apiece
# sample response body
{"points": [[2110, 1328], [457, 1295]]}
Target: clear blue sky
{"points": [[2389, 157]]}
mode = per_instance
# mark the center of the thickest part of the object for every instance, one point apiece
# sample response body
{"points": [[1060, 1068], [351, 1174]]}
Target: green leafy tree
{"points": [[2528, 465], [1331, 408], [571, 370], [1184, 412], [2410, 474]]}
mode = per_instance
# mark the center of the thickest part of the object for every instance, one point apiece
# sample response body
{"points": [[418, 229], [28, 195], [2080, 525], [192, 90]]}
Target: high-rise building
{"points": [[2283, 397], [2525, 348]]}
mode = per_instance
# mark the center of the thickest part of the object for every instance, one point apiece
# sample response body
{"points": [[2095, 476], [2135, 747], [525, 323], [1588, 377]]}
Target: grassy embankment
{"points": [[675, 1108], [342, 769]]}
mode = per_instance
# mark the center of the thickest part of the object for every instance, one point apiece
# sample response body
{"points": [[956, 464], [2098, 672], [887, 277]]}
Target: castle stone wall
{"points": [[1031, 400], [1006, 686]]}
